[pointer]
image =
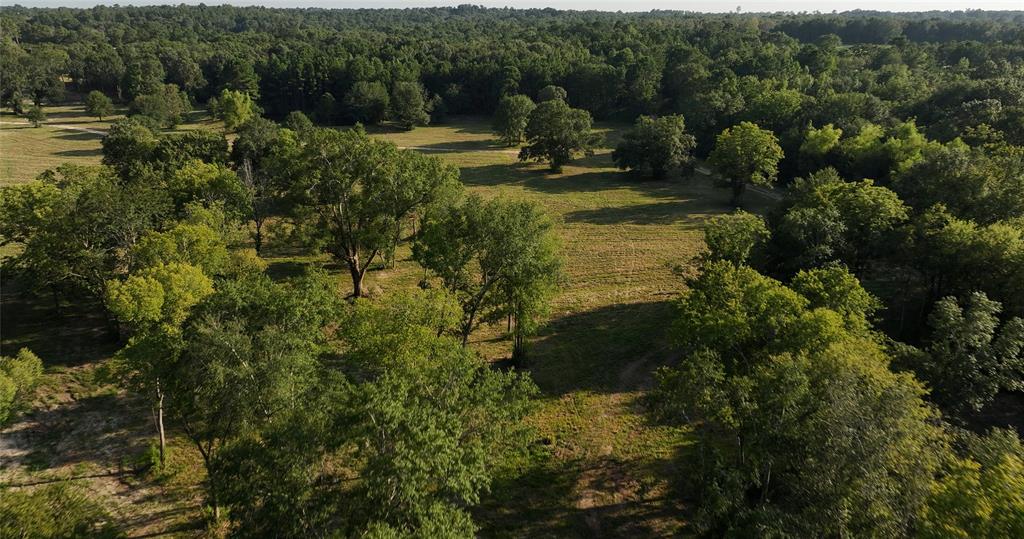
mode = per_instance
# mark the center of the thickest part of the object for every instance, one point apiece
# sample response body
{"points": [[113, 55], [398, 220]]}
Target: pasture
{"points": [[597, 466]]}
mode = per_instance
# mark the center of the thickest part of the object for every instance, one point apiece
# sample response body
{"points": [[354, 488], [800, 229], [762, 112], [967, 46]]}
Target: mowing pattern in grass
{"points": [[597, 467]]}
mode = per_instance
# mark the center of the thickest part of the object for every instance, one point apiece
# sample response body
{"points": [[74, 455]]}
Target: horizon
{"points": [[699, 6]]}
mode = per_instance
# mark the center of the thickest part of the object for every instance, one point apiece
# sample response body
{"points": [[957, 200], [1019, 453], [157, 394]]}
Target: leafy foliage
{"points": [[655, 145]]}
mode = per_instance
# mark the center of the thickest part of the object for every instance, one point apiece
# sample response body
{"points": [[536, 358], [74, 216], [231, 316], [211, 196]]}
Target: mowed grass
{"points": [[68, 135], [597, 466]]}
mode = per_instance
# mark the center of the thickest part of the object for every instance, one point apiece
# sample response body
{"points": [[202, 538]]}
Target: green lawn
{"points": [[597, 466]]}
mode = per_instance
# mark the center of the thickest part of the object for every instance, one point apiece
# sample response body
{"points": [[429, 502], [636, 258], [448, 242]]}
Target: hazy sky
{"points": [[608, 5]]}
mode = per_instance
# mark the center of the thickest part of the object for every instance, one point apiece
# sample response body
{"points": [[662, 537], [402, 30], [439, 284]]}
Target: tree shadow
{"points": [[80, 153], [467, 146], [98, 430], [79, 135], [609, 349], [658, 213], [76, 334], [534, 501]]}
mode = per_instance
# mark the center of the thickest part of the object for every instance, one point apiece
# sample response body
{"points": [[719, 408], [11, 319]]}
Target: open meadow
{"points": [[597, 467]]}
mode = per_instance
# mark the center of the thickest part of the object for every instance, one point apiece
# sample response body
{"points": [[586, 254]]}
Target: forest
{"points": [[473, 272]]}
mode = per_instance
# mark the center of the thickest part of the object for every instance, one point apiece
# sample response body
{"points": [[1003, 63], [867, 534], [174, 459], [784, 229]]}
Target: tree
{"points": [[234, 108], [655, 145], [971, 356], [35, 115], [197, 182], [735, 237], [165, 107], [832, 220], [368, 102], [746, 154], [76, 226], [152, 304], [499, 258], [407, 105], [247, 356], [556, 133], [979, 494], [511, 117], [98, 104], [779, 385], [353, 193], [256, 154], [416, 435], [143, 75], [551, 93]]}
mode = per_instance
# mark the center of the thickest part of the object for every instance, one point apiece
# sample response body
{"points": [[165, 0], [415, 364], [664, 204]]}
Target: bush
{"points": [[19, 375]]}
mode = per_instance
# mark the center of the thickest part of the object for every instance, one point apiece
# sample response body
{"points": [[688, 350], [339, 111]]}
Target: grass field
{"points": [[598, 468]]}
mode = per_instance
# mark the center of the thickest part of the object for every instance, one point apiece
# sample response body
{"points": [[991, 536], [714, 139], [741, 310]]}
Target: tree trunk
{"points": [[738, 187], [357, 278], [257, 238], [160, 423]]}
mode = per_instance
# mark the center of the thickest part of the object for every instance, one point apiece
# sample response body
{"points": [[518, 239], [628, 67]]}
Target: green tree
{"points": [[979, 494], [832, 220], [746, 154], [368, 102], [76, 226], [353, 193], [971, 356], [166, 107], [234, 108], [152, 304], [779, 387], [98, 104], [499, 258], [552, 93], [735, 237], [511, 117], [417, 435], [556, 132], [655, 145], [408, 107], [247, 356], [35, 115]]}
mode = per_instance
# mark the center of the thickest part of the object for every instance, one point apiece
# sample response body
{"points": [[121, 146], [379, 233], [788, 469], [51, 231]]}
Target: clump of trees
{"points": [[499, 258]]}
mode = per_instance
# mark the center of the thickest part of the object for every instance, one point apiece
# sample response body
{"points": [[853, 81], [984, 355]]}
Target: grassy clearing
{"points": [[597, 467]]}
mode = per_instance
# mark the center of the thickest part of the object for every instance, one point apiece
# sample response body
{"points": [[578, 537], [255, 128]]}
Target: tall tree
{"points": [[556, 133], [499, 258], [511, 117], [368, 102], [408, 107], [354, 192], [98, 104], [746, 154]]}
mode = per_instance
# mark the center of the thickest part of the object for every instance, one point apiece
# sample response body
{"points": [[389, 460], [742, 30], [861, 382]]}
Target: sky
{"points": [[605, 5]]}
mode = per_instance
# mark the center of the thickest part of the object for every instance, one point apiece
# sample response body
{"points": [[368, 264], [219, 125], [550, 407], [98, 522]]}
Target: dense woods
{"points": [[837, 359]]}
